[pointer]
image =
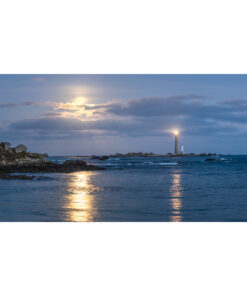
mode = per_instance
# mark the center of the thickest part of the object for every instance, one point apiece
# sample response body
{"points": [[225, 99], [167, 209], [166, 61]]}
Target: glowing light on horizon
{"points": [[176, 132]]}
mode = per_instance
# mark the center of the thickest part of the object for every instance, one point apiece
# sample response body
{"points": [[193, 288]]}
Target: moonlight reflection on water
{"points": [[132, 189], [79, 205], [176, 194]]}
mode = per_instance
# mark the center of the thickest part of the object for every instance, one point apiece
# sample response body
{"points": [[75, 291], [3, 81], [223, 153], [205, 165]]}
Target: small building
{"points": [[21, 148]]}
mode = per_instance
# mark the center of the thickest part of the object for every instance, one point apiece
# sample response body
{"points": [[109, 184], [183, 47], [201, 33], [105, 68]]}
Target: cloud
{"points": [[27, 103], [123, 126], [174, 107], [13, 105], [158, 106], [151, 106], [72, 124], [133, 127], [235, 103], [51, 114], [152, 116], [48, 124]]}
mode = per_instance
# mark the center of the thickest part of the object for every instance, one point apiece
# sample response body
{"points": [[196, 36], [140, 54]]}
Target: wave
{"points": [[167, 163], [109, 164], [160, 163], [113, 159]]}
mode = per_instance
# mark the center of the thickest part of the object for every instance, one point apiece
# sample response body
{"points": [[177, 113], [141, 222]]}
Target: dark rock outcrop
{"points": [[68, 166], [6, 176], [100, 157], [21, 161], [19, 156]]}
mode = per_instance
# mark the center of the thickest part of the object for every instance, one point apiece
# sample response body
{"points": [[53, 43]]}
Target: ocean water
{"points": [[133, 189]]}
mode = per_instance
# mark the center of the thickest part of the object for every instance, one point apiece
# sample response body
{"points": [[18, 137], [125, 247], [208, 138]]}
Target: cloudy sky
{"points": [[102, 114]]}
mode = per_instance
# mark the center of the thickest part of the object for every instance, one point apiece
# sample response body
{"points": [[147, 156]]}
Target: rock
{"points": [[21, 161], [5, 145], [75, 163], [100, 157], [5, 176], [68, 166], [19, 156], [210, 159], [21, 148]]}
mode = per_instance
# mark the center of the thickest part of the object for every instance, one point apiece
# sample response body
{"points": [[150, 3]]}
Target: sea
{"points": [[132, 189]]}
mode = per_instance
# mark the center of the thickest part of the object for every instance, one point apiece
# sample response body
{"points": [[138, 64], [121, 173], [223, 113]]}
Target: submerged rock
{"points": [[210, 159], [6, 176]]}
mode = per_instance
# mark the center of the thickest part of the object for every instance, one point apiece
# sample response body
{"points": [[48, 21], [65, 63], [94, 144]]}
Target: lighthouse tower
{"points": [[176, 142]]}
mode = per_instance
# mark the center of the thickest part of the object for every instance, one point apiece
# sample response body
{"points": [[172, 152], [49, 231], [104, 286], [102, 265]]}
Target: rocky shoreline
{"points": [[18, 160]]}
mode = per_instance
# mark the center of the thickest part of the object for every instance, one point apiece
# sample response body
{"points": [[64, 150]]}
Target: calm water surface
{"points": [[133, 189]]}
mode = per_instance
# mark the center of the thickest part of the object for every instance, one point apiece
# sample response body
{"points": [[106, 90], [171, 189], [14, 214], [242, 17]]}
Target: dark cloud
{"points": [[237, 109], [51, 114], [157, 106], [48, 124], [72, 124], [71, 110], [235, 103], [27, 103], [157, 102], [169, 106], [153, 116], [176, 107], [133, 127], [23, 136], [12, 105]]}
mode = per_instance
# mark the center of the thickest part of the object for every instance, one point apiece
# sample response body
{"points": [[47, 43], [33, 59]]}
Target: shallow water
{"points": [[133, 189]]}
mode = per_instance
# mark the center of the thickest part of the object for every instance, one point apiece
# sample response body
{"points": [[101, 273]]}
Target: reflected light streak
{"points": [[176, 202], [80, 202]]}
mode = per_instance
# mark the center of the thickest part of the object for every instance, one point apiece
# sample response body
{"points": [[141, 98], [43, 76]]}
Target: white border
{"points": [[130, 36]]}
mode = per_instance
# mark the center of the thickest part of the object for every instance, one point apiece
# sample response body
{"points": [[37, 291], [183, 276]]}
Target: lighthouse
{"points": [[176, 142]]}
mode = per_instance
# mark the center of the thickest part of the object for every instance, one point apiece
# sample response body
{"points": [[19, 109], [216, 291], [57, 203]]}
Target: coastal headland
{"points": [[19, 160]]}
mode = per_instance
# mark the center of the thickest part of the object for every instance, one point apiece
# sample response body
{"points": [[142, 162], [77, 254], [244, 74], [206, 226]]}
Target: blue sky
{"points": [[101, 114]]}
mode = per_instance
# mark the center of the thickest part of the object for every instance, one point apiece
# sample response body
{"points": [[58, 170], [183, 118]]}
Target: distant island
{"points": [[19, 160], [150, 154]]}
